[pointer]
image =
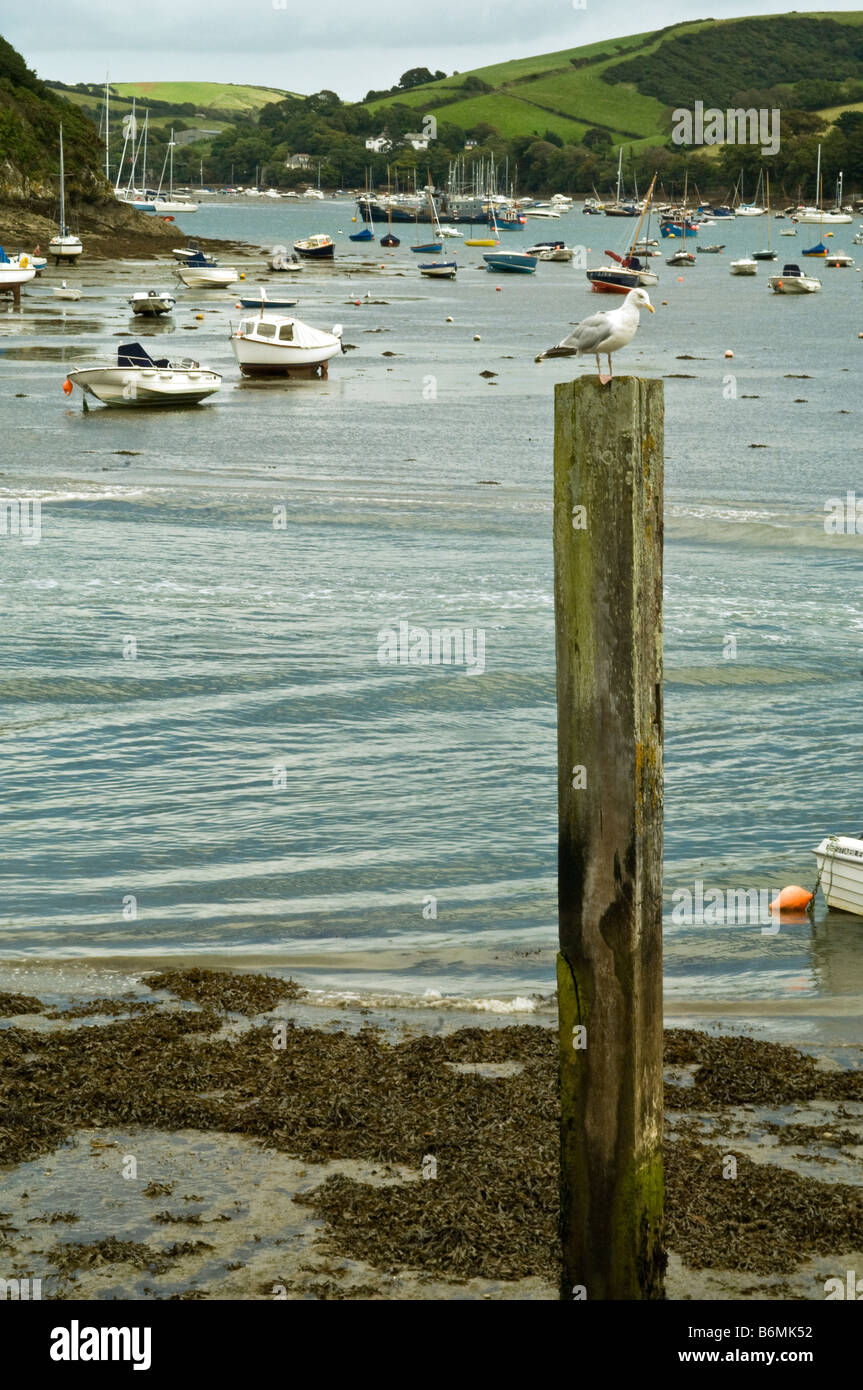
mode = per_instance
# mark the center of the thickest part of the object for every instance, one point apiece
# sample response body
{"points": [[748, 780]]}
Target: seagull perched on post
{"points": [[603, 333]]}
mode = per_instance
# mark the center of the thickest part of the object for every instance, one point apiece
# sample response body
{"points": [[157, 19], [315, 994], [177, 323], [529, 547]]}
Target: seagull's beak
{"points": [[650, 307]]}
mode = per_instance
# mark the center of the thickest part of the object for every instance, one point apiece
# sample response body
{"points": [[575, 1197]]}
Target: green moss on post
{"points": [[608, 601]]}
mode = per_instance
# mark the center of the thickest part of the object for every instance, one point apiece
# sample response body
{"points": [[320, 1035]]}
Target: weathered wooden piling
{"points": [[608, 488]]}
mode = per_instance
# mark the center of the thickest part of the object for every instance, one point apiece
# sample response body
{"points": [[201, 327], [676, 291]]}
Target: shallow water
{"points": [[153, 778]]}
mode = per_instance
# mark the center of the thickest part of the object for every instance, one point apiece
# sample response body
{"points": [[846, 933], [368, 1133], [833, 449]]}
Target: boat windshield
{"points": [[286, 333], [265, 330]]}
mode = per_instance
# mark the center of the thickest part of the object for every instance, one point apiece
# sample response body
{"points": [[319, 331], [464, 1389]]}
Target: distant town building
{"points": [[379, 144], [416, 139], [298, 161], [471, 144]]}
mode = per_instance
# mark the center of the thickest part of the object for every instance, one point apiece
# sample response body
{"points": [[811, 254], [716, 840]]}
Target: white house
{"points": [[298, 161], [379, 144], [416, 139]]}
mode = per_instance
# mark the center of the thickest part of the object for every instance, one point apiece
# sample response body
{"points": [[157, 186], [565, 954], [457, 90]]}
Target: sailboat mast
{"points": [[107, 137], [619, 172], [62, 189], [171, 166]]}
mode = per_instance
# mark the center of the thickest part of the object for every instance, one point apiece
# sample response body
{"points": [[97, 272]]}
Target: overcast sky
{"points": [[347, 45]]}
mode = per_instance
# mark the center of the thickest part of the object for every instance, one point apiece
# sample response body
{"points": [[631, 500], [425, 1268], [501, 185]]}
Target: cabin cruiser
{"points": [[317, 248], [138, 379], [269, 344], [793, 281], [551, 251], [745, 266], [152, 303]]}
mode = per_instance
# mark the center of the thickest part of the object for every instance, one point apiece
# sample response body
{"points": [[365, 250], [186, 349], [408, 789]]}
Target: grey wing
{"points": [[590, 334], [587, 336]]}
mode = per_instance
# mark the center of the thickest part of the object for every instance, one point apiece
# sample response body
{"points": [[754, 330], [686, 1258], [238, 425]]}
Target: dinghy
{"points": [[439, 270], [138, 379]]}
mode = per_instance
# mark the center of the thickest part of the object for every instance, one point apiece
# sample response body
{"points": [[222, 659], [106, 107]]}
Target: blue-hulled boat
{"points": [[265, 302], [365, 235], [439, 270], [428, 248], [518, 262], [819, 250]]}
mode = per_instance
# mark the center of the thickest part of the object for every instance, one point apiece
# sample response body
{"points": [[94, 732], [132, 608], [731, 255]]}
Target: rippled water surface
{"points": [[254, 783]]}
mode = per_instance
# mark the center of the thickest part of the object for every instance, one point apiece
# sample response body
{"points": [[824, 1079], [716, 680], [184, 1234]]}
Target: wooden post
{"points": [[608, 492]]}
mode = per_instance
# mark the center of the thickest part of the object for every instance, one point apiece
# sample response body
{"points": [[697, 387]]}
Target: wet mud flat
{"points": [[199, 1138]]}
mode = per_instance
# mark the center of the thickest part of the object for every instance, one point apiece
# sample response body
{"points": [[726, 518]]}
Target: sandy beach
{"points": [[203, 1138]]}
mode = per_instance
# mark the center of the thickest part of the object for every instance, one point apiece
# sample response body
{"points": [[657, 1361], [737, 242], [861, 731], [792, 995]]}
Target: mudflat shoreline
{"points": [[192, 1139]]}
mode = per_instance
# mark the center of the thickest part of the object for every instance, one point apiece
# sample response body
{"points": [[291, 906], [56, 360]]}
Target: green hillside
{"points": [[629, 86]]}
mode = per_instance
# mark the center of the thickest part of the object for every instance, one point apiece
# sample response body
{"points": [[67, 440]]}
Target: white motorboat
{"points": [[838, 259], [745, 266], [749, 210], [448, 231], [539, 211], [793, 281], [269, 344], [319, 247], [788, 231], [283, 259], [198, 274], [840, 870], [551, 251], [64, 246], [15, 271], [858, 238], [138, 379], [64, 291], [152, 303], [172, 205]]}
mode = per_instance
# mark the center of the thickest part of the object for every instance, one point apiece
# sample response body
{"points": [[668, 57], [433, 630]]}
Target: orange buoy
{"points": [[791, 897], [68, 388]]}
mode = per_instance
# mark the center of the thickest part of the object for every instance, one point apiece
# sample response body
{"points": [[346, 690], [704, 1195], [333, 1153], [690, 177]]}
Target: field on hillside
{"points": [[223, 96]]}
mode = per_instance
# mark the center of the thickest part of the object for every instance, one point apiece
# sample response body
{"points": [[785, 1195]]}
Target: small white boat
{"points": [[64, 291], [539, 211], [168, 206], [858, 238], [198, 274], [840, 868], [838, 259], [269, 344], [138, 379], [15, 270], [788, 231], [152, 302], [446, 230], [749, 210], [283, 259], [746, 266], [551, 251], [793, 281]]}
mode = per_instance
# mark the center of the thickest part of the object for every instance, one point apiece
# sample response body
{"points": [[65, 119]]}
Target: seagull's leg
{"points": [[610, 368], [603, 380]]}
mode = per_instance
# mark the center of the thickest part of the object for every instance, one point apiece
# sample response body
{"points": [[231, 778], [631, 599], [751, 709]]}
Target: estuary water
{"points": [[205, 759]]}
